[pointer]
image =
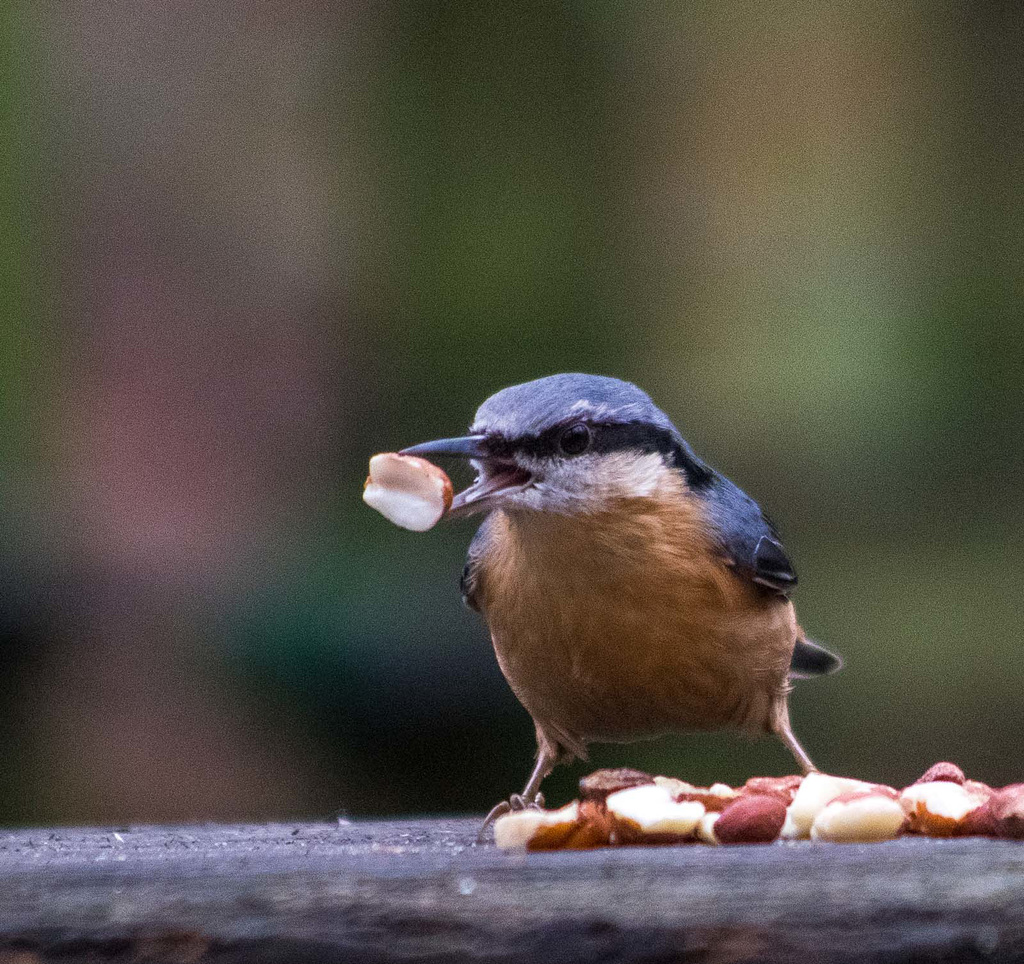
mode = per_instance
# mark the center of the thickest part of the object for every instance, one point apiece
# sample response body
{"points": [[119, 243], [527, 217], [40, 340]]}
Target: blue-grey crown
{"points": [[533, 407], [531, 417]]}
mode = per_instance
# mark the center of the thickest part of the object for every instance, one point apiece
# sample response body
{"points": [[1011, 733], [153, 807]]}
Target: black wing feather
{"points": [[772, 567]]}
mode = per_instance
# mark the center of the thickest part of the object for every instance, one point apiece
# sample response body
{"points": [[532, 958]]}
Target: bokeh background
{"points": [[245, 245]]}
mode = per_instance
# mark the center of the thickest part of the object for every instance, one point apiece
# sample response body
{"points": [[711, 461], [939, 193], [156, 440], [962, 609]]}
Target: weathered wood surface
{"points": [[420, 891]]}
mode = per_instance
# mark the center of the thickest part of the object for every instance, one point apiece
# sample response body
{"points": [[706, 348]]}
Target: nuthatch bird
{"points": [[630, 589]]}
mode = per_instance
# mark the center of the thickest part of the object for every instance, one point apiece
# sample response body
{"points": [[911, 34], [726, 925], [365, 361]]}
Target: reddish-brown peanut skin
{"points": [[599, 784], [593, 828], [874, 790], [784, 788], [948, 772], [751, 819], [980, 822], [550, 838], [1007, 806], [713, 802]]}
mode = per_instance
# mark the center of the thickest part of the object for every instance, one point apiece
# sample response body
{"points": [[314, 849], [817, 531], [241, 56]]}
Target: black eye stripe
{"points": [[633, 436], [607, 437]]}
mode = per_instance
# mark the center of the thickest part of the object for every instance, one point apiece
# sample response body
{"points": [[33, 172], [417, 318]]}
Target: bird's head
{"points": [[567, 444]]}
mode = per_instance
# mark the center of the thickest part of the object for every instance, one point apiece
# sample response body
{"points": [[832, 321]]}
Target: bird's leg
{"points": [[781, 727], [531, 797]]}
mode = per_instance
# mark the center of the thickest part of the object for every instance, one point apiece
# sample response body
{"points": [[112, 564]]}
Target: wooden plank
{"points": [[420, 890]]}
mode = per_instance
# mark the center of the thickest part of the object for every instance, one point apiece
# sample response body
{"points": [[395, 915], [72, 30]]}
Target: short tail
{"points": [[810, 659]]}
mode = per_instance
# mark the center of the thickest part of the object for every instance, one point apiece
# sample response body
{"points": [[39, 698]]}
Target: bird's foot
{"points": [[514, 804]]}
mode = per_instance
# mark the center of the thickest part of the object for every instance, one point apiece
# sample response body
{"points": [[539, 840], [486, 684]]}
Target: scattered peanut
{"points": [[751, 819], [815, 793], [650, 812], [536, 829], [859, 817], [940, 808], [629, 807]]}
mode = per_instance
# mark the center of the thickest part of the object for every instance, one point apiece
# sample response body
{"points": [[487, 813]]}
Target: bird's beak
{"points": [[495, 477], [467, 447]]}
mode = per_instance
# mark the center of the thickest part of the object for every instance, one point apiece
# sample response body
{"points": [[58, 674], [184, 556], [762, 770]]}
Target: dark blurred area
{"points": [[244, 246]]}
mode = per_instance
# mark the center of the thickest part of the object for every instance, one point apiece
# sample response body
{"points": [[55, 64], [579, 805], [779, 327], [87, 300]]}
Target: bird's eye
{"points": [[575, 440]]}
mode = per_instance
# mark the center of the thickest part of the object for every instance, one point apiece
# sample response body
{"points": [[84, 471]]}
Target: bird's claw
{"points": [[520, 802], [514, 804]]}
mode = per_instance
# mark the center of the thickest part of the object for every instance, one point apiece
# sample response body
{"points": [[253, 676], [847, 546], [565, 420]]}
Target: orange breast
{"points": [[627, 624]]}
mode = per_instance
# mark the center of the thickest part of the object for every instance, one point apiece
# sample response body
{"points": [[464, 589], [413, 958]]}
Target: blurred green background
{"points": [[244, 246]]}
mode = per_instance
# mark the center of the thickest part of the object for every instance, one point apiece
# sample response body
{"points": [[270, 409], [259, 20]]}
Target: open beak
{"points": [[495, 479]]}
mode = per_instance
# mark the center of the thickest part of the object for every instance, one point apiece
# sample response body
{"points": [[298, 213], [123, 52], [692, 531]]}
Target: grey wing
{"points": [[751, 544], [749, 541], [469, 583]]}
